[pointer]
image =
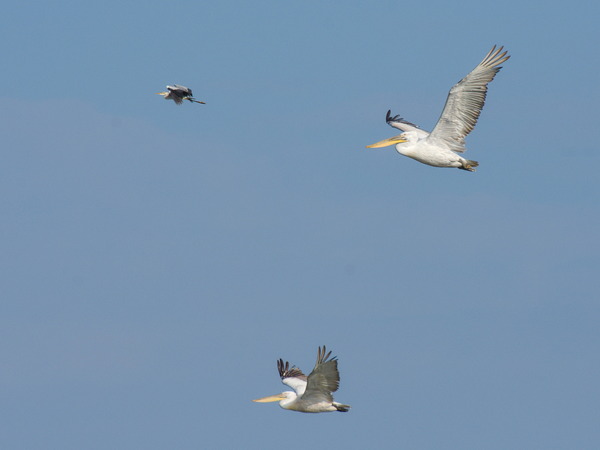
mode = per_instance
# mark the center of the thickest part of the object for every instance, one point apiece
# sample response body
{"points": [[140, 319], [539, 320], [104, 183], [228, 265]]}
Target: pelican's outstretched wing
{"points": [[403, 125], [465, 101], [324, 379], [292, 376]]}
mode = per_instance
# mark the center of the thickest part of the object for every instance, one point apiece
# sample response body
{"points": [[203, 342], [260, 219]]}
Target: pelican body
{"points": [[178, 94], [312, 394], [463, 106]]}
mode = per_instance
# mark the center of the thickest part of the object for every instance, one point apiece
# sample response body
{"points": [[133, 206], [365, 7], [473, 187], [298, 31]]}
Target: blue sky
{"points": [[157, 260]]}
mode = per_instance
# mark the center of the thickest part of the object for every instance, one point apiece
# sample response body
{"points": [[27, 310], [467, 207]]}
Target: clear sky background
{"points": [[156, 260]]}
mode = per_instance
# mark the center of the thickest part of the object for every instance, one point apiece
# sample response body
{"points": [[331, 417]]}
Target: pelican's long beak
{"points": [[387, 142], [161, 93], [272, 398]]}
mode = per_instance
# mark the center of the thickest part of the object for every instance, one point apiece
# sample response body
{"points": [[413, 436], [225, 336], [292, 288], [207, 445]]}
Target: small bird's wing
{"points": [[403, 125], [465, 101], [175, 94], [184, 91], [292, 376], [323, 380]]}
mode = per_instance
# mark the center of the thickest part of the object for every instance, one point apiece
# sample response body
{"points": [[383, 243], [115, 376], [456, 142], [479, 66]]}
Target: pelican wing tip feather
{"points": [[285, 371], [397, 119], [323, 356], [495, 57]]}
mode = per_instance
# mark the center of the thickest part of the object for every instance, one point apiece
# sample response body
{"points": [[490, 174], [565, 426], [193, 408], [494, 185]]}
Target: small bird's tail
{"points": [[468, 164], [340, 407]]}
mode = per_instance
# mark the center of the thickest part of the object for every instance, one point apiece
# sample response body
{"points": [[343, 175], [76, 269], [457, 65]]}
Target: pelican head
{"points": [[284, 398], [390, 141]]}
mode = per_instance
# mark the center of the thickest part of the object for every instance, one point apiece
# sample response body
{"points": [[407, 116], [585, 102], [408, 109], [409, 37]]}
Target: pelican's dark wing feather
{"points": [[404, 125], [292, 376]]}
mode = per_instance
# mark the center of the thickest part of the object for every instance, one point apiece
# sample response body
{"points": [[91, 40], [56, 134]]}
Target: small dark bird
{"points": [[178, 94]]}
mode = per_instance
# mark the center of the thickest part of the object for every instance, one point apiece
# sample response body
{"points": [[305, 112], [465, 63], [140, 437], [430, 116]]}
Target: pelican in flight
{"points": [[313, 393], [178, 94], [463, 106]]}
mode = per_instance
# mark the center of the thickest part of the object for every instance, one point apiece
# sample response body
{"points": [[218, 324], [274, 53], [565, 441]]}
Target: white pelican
{"points": [[178, 94], [460, 114], [313, 393]]}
